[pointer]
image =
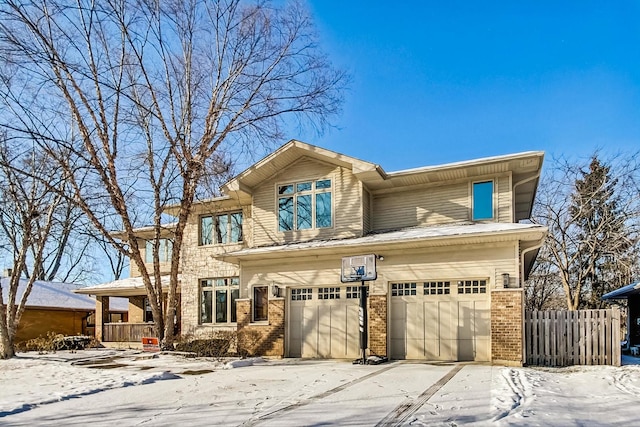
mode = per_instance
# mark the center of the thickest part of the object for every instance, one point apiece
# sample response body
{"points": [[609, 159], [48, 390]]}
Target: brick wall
{"points": [[265, 339], [378, 325], [507, 326]]}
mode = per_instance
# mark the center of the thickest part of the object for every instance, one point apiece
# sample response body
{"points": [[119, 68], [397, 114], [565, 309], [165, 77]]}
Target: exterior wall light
{"points": [[505, 280]]}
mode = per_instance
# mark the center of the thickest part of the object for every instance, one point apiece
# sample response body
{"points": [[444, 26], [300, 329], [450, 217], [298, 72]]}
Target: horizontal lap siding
{"points": [[347, 204], [503, 185], [437, 205]]}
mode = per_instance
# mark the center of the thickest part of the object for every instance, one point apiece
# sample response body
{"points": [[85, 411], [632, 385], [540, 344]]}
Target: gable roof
{"points": [[58, 295], [525, 168]]}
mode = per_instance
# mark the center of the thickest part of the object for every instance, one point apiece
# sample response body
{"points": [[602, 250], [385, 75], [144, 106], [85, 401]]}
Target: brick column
{"points": [[264, 339], [507, 326], [378, 325], [102, 315]]}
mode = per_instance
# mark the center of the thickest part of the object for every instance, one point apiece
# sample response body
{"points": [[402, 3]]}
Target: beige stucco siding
{"points": [[347, 205], [414, 207]]}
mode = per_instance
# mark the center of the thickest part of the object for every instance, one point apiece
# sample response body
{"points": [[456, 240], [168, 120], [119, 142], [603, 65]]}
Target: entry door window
{"points": [[260, 303]]}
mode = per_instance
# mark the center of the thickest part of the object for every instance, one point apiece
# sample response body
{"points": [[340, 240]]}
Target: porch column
{"points": [[102, 315]]}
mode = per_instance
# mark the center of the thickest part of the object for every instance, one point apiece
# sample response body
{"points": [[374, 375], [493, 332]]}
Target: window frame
{"points": [[165, 250], [231, 288], [214, 232], [475, 201], [254, 301], [291, 191]]}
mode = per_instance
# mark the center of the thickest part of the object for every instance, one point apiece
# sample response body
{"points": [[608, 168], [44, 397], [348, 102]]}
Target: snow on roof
{"points": [[59, 295], [402, 235], [623, 292], [127, 285]]}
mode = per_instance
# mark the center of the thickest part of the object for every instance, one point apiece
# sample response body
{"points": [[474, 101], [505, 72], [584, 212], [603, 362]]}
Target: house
{"points": [[54, 307], [450, 243], [631, 293]]}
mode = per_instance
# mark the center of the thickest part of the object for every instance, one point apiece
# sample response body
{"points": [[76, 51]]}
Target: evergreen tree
{"points": [[604, 247]]}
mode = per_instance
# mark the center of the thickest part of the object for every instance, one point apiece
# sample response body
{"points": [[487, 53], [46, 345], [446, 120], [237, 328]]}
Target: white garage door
{"points": [[441, 320], [323, 322]]}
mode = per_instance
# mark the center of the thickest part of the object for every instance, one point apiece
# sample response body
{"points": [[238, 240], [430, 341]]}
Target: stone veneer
{"points": [[507, 324]]}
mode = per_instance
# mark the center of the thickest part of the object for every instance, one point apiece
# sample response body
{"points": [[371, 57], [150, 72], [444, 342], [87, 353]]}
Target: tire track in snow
{"points": [[513, 378], [304, 402], [410, 406], [623, 381]]}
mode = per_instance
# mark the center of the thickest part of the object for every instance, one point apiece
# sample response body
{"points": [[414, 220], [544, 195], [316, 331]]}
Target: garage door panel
{"points": [[446, 326], [325, 328]]}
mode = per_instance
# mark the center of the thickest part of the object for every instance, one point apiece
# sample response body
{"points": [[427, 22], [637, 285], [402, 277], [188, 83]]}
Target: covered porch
{"points": [[138, 322]]}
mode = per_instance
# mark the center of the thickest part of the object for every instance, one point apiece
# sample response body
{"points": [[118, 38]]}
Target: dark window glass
{"points": [[260, 303], [285, 213]]}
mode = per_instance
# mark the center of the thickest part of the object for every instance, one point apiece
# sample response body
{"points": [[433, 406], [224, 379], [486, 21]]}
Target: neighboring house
{"points": [[632, 294], [54, 307], [451, 254]]}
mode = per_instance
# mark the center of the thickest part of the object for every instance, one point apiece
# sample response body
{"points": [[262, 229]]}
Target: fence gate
{"points": [[564, 338]]}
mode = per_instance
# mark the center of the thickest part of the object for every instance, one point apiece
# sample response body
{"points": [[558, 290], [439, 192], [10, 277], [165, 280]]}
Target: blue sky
{"points": [[437, 82]]}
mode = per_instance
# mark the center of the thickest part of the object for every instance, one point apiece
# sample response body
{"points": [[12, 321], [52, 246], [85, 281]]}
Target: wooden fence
{"points": [[564, 338], [126, 332]]}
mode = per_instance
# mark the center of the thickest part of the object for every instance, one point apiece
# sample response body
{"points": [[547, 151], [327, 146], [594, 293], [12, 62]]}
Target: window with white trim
{"points": [[260, 303], [482, 200], [437, 288], [328, 293], [472, 287], [305, 205], [403, 289], [221, 229], [218, 300], [301, 294]]}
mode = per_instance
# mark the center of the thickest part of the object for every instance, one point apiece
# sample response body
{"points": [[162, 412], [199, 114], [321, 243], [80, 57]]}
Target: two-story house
{"points": [[450, 246]]}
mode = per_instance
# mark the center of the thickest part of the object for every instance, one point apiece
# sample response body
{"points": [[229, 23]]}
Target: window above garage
{"points": [[482, 195], [305, 205]]}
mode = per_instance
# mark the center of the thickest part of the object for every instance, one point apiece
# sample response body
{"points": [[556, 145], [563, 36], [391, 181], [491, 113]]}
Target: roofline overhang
{"points": [[345, 247]]}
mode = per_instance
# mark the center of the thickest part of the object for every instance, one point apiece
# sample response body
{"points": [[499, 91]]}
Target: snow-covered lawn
{"points": [[109, 387]]}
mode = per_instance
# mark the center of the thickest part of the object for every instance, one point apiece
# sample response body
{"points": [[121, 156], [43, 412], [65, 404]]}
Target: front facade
{"points": [[451, 256]]}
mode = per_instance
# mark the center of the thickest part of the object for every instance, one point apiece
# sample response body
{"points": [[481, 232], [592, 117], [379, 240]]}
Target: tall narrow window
{"points": [[482, 200], [221, 229], [260, 303], [218, 300], [305, 205]]}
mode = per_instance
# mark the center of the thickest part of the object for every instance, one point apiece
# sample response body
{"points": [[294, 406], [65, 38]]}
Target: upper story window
{"points": [[482, 200], [165, 250], [221, 229], [305, 205]]}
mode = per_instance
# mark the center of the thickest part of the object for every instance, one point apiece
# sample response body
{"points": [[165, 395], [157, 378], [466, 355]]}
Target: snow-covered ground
{"points": [[111, 387]]}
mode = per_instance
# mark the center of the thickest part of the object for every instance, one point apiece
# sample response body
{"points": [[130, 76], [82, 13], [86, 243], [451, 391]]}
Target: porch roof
{"points": [[414, 237], [623, 292], [131, 286]]}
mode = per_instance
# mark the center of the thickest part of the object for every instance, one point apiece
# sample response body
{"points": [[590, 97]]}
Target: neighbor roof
{"points": [[58, 295], [624, 292]]}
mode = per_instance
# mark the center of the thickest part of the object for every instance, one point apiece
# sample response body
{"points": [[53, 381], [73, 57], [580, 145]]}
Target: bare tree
{"points": [[593, 215], [543, 289], [154, 96], [27, 221]]}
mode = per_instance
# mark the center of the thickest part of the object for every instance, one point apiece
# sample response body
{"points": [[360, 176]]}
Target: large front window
{"points": [[165, 249], [221, 229], [218, 300], [305, 205]]}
